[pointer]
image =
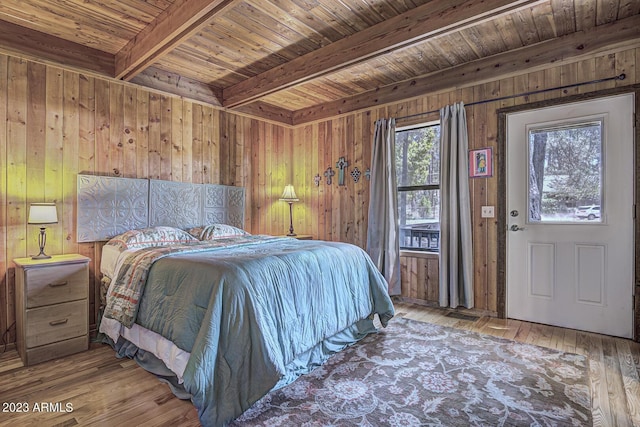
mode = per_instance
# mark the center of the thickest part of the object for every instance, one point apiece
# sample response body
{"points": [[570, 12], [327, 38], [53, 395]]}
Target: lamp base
{"points": [[291, 233], [42, 240]]}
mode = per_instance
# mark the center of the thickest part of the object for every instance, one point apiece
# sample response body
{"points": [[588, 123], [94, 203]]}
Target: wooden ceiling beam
{"points": [[174, 25], [175, 84], [267, 112], [436, 18], [30, 44], [568, 48]]}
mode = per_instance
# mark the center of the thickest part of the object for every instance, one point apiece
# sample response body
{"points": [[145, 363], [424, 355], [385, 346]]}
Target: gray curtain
{"points": [[382, 233], [456, 252]]}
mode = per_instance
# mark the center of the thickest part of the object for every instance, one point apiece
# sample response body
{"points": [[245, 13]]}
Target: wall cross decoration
{"points": [[341, 164], [355, 174], [317, 179], [329, 173]]}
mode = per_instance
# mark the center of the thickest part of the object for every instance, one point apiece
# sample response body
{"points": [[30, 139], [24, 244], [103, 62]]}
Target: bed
{"points": [[224, 316]]}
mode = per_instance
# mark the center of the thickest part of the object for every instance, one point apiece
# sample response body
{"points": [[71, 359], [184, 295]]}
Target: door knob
{"points": [[514, 227]]}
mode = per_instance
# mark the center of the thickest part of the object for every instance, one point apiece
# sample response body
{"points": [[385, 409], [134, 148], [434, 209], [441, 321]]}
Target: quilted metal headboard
{"points": [[108, 206]]}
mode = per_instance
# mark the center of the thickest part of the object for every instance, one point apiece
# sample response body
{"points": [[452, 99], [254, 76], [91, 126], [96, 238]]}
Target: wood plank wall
{"points": [[56, 123], [340, 213]]}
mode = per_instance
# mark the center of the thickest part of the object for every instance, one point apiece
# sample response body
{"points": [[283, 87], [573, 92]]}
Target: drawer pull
{"points": [[55, 285], [58, 322]]}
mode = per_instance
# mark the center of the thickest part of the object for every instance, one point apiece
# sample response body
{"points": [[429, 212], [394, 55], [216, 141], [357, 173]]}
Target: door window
{"points": [[565, 173]]}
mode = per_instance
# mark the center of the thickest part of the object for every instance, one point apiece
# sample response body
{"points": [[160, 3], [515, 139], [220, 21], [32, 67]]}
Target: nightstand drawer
{"points": [[45, 325], [52, 285], [56, 349]]}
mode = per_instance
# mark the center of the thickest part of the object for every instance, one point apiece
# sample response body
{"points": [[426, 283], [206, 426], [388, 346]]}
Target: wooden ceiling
{"points": [[296, 61]]}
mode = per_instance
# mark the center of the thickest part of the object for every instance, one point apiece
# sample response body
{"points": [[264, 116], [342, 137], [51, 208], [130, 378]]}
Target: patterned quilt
{"points": [[124, 296]]}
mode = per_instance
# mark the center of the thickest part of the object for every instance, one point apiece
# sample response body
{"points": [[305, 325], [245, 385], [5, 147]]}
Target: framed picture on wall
{"points": [[480, 163]]}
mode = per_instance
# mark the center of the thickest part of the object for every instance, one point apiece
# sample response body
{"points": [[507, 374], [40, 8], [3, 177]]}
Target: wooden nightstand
{"points": [[302, 237], [52, 305]]}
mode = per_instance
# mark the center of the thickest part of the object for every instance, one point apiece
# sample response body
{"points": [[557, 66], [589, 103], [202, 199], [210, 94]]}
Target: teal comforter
{"points": [[256, 316]]}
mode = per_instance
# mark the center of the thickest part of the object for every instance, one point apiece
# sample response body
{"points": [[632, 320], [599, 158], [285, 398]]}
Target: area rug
{"points": [[414, 373]]}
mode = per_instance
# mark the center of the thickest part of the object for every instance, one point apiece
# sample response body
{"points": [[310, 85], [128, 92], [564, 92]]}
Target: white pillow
{"points": [[150, 237], [216, 231]]}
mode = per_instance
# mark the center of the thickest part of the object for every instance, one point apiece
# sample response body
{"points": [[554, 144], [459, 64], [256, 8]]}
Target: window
{"points": [[418, 177]]}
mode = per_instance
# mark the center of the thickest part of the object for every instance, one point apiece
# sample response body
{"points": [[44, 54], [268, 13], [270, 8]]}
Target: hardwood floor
{"points": [[105, 391]]}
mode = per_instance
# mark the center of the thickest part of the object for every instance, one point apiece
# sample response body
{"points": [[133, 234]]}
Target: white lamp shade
{"points": [[43, 213], [289, 194]]}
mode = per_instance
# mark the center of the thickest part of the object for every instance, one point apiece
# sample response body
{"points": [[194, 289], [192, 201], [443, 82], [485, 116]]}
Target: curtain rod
{"points": [[502, 98]]}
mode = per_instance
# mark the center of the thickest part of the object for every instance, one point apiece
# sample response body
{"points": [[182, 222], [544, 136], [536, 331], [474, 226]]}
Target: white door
{"points": [[570, 190]]}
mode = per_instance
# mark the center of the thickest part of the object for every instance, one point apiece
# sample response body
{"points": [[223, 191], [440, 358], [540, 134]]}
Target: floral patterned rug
{"points": [[415, 373]]}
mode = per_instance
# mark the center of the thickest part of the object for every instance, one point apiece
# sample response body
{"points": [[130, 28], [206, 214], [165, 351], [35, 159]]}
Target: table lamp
{"points": [[289, 196], [41, 214]]}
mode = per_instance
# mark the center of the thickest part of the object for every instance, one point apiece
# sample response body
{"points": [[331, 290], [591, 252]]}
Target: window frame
{"points": [[422, 187]]}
